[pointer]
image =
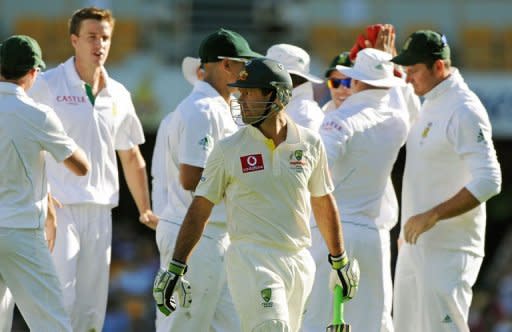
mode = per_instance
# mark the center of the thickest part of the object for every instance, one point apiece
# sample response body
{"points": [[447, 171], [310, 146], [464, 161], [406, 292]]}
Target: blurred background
{"points": [[152, 36]]}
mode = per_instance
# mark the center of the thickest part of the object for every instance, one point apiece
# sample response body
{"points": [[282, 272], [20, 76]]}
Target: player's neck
{"points": [[275, 128], [91, 75]]}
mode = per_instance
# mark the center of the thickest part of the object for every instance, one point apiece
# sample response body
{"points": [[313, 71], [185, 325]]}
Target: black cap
{"points": [[423, 46], [225, 43]]}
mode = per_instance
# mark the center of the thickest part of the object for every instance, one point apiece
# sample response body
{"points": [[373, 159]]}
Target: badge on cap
{"points": [[243, 75]]}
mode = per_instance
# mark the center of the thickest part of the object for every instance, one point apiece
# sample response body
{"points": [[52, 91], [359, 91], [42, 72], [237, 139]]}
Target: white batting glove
{"points": [[167, 282], [344, 273]]}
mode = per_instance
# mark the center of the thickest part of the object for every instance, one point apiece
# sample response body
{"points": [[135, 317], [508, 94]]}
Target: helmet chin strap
{"points": [[269, 109]]}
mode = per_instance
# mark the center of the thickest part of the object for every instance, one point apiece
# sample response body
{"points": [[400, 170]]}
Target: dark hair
{"points": [[89, 13], [297, 80], [13, 75]]}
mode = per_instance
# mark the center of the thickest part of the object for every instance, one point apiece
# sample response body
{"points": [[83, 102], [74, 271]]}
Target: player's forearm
{"points": [[460, 203], [134, 168], [192, 228], [328, 221]]}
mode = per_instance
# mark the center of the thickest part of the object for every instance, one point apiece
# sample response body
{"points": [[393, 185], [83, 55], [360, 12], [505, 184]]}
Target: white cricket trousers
{"points": [[212, 309], [26, 268], [433, 289], [370, 309], [269, 286], [82, 259]]}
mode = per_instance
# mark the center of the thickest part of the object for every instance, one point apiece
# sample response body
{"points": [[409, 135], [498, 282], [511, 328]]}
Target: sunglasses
{"points": [[334, 83]]}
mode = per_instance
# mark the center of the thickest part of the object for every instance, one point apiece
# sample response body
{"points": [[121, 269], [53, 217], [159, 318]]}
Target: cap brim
{"points": [[189, 67], [309, 77], [384, 82], [405, 59]]}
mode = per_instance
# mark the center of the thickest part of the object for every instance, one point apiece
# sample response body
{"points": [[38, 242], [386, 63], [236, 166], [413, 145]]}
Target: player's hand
{"points": [[168, 282], [50, 225], [344, 273], [385, 40], [149, 219], [419, 224]]}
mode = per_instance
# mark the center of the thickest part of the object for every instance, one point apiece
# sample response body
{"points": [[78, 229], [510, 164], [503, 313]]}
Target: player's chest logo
{"points": [[297, 160], [425, 132], [72, 100], [252, 163]]}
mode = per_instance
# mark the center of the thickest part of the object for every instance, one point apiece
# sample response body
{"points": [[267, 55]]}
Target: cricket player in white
{"points": [[302, 108], [98, 113], [186, 139], [362, 139], [451, 170], [27, 131], [265, 173]]}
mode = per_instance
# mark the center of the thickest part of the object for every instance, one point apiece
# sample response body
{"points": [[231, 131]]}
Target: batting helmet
{"points": [[263, 73]]}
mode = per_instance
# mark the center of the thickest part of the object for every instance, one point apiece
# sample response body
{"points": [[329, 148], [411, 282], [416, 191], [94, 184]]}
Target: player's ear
{"points": [[74, 39]]}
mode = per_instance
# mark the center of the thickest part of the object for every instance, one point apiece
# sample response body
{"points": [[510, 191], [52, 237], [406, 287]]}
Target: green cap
{"points": [[423, 46], [225, 43], [19, 53], [265, 74], [342, 59]]}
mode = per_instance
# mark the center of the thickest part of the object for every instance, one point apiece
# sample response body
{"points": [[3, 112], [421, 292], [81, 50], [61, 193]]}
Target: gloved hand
{"points": [[344, 273], [168, 282]]}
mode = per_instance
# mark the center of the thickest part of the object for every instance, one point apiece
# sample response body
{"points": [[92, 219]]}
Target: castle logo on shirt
{"points": [[252, 163], [71, 100]]}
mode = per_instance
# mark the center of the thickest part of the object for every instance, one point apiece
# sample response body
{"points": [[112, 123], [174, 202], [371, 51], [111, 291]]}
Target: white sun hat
{"points": [[294, 59], [373, 67], [189, 67]]}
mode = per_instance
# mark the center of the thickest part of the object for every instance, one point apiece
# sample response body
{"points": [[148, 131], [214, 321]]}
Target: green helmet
{"points": [[264, 73]]}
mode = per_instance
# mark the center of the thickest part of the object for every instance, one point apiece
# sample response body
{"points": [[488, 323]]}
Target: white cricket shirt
{"points": [[110, 125], [303, 109], [450, 147], [188, 137], [27, 130], [362, 139], [267, 192]]}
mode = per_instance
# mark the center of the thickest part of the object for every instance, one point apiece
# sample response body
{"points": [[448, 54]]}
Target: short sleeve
{"points": [[320, 182], [54, 139], [197, 137], [159, 166], [469, 130], [130, 132], [214, 180]]}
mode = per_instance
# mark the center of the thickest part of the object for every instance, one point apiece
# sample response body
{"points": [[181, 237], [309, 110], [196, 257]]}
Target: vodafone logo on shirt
{"points": [[252, 163]]}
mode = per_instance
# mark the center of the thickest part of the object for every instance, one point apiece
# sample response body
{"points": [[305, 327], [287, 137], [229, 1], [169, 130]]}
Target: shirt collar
{"points": [[208, 90], [370, 97], [292, 132], [74, 78], [11, 89], [454, 79]]}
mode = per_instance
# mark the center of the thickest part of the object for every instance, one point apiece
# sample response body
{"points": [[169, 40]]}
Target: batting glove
{"points": [[344, 273], [167, 283]]}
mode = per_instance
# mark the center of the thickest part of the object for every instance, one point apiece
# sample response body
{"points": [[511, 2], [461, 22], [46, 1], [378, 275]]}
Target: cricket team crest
{"points": [[266, 295], [297, 161]]}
